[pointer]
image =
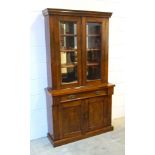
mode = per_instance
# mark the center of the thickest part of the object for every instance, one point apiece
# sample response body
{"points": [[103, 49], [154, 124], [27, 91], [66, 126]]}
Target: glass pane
{"points": [[94, 57], [93, 72], [93, 28], [69, 74], [93, 51], [68, 42], [68, 57], [68, 51], [68, 28], [93, 42]]}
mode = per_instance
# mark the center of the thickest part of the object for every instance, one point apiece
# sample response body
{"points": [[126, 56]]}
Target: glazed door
{"points": [[71, 118], [69, 51], [95, 54], [97, 113]]}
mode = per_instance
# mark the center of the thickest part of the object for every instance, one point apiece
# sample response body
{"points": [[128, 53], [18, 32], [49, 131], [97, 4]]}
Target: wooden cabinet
{"points": [[79, 96], [96, 113], [71, 118]]}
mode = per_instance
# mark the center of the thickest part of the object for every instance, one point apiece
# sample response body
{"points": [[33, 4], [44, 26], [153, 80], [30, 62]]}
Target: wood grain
{"points": [[82, 108]]}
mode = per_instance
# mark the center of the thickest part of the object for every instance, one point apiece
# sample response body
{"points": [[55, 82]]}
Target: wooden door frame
{"points": [[67, 105], [104, 49], [57, 50], [100, 98]]}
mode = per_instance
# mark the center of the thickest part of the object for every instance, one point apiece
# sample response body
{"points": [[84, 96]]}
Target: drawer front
{"points": [[83, 95]]}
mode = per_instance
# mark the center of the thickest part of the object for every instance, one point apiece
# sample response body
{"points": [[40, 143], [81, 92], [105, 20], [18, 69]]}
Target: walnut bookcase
{"points": [[79, 97]]}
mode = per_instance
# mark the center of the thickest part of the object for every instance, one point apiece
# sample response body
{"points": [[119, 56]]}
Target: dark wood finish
{"points": [[78, 13], [96, 115], [71, 118], [81, 89], [82, 108], [73, 97], [78, 21], [105, 31], [83, 50], [72, 139], [104, 52]]}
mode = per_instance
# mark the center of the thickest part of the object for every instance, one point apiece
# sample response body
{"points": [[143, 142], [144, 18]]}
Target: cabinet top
{"points": [[52, 11]]}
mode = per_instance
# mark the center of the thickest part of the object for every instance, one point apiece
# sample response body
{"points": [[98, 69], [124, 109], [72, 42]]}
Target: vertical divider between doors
{"points": [[84, 116], [83, 52], [79, 48]]}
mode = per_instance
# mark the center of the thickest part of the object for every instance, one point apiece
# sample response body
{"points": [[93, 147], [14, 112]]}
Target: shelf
{"points": [[68, 35], [93, 35], [70, 82], [68, 50], [93, 64], [93, 49], [68, 65]]}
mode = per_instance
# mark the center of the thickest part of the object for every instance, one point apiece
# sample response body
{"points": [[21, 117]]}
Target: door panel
{"points": [[95, 51], [71, 121], [97, 112], [69, 51]]}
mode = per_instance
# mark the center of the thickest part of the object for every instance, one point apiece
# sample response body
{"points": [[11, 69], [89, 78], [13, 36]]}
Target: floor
{"points": [[111, 143]]}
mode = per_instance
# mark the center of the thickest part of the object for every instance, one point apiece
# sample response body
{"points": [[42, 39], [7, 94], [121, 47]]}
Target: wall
{"points": [[38, 79]]}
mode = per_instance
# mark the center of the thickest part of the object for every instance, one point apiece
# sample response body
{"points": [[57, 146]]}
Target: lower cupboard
{"points": [[80, 118]]}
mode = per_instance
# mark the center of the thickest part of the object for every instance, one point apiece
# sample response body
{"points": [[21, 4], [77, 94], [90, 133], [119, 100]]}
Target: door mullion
{"points": [[83, 44]]}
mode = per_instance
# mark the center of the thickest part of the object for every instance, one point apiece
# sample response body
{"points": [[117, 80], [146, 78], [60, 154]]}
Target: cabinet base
{"points": [[73, 139]]}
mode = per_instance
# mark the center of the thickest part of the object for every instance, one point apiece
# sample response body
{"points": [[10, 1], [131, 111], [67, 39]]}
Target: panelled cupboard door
{"points": [[71, 118], [97, 113], [95, 50], [68, 50]]}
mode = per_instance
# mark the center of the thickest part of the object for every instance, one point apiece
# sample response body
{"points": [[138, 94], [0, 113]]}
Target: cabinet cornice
{"points": [[65, 12]]}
